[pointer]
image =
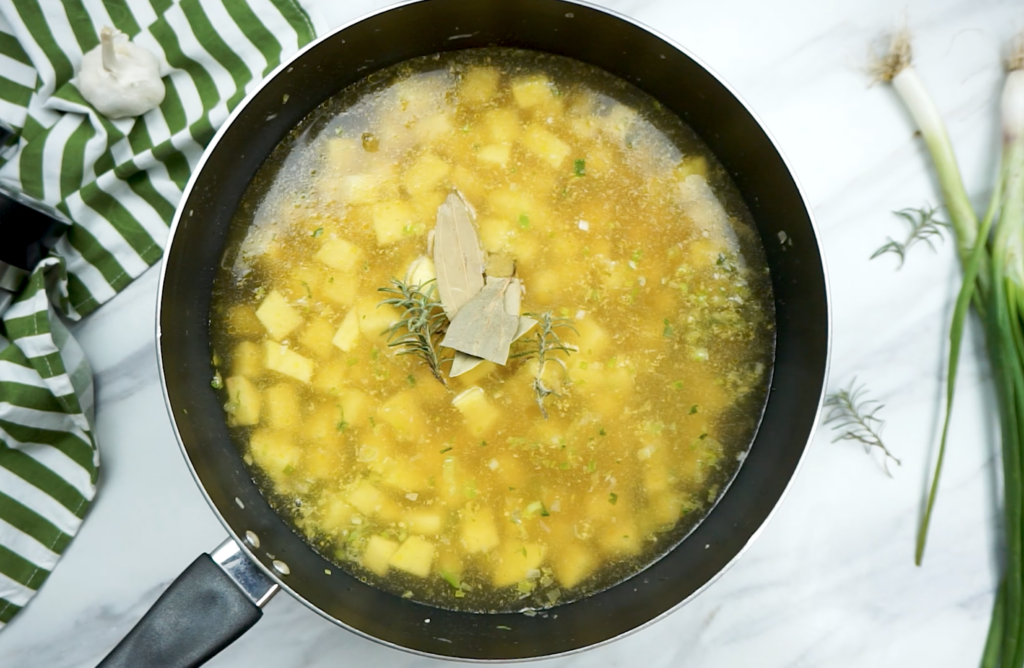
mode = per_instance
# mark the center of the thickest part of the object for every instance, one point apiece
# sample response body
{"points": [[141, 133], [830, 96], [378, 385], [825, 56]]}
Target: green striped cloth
{"points": [[118, 182]]}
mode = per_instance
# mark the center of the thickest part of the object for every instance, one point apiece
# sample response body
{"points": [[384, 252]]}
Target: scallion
{"points": [[992, 254]]}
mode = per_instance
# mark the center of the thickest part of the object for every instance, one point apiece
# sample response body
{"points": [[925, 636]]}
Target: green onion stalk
{"points": [[1006, 346], [991, 252]]}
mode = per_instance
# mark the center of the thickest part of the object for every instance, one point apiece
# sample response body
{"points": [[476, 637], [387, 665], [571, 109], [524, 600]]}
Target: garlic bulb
{"points": [[119, 78]]}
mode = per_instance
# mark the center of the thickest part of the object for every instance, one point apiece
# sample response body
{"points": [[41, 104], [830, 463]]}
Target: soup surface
{"points": [[611, 240]]}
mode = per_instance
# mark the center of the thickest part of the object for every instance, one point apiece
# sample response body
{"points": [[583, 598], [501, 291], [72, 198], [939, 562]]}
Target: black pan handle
{"points": [[213, 602]]}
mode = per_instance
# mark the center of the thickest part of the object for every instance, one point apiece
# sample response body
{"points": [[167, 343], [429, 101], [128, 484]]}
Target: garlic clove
{"points": [[119, 78]]}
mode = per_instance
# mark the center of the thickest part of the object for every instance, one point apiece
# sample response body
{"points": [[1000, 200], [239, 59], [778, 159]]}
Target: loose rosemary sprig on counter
{"points": [[423, 322], [543, 347], [923, 228], [855, 418]]}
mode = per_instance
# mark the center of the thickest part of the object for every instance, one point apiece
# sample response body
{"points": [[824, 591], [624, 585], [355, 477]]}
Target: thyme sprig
{"points": [[855, 418], [923, 228], [422, 325], [544, 346]]}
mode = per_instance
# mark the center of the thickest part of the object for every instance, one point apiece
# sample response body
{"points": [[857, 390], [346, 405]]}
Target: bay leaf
{"points": [[482, 327], [458, 256], [462, 363], [513, 303]]}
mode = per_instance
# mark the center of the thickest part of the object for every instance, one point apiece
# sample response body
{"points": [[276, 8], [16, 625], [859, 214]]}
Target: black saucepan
{"points": [[219, 597]]}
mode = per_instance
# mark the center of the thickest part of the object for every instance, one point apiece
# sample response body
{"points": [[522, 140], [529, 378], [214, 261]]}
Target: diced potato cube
{"points": [[478, 531], [514, 560], [335, 514], [320, 427], [243, 404], [617, 121], [532, 90], [326, 463], [584, 127], [297, 282], [331, 378], [347, 335], [449, 565], [553, 377], [611, 391], [366, 498], [479, 84], [425, 522], [415, 556], [341, 255], [496, 154], [512, 471], [343, 156], [432, 127], [360, 188], [657, 477], [282, 406], [479, 413], [421, 271], [502, 126], [702, 459], [620, 537], [279, 358], [692, 164], [356, 406], [403, 413], [341, 289], [247, 359], [666, 507], [500, 265], [242, 321], [378, 554], [317, 337], [547, 285], [593, 340], [426, 204], [617, 276], [406, 477], [573, 563], [275, 452], [524, 247], [395, 220], [704, 253], [526, 212], [426, 173], [375, 319], [277, 316], [545, 145], [495, 233], [469, 183]]}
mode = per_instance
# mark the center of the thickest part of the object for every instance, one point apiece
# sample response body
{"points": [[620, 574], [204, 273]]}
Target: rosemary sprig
{"points": [[855, 419], [923, 227], [543, 346], [422, 325]]}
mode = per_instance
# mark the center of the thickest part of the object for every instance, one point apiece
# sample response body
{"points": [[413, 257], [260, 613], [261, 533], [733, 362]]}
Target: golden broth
{"points": [[616, 217]]}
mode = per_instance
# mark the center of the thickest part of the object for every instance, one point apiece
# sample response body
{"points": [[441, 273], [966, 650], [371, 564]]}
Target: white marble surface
{"points": [[830, 582]]}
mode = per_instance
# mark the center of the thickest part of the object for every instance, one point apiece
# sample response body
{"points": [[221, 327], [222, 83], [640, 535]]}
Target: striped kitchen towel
{"points": [[119, 183]]}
